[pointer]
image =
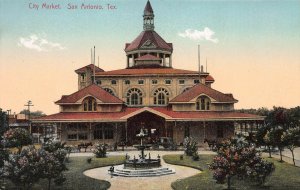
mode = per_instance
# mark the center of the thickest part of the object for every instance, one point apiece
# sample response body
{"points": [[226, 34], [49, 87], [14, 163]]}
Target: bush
{"points": [[100, 150], [196, 156], [89, 160], [237, 157], [190, 146], [18, 138], [24, 169]]}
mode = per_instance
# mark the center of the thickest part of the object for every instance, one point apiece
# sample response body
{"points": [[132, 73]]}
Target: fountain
{"points": [[143, 166]]}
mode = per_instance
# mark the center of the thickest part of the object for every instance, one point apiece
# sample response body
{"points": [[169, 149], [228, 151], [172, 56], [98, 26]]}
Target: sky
{"points": [[251, 47]]}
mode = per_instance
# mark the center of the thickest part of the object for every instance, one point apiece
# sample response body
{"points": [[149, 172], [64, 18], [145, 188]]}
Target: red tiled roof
{"points": [[87, 116], [91, 66], [207, 115], [161, 111], [153, 37], [148, 71], [92, 90], [209, 78], [148, 57], [199, 89]]}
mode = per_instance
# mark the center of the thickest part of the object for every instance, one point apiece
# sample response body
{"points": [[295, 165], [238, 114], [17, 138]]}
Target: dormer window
{"points": [[82, 77], [89, 104], [203, 103]]}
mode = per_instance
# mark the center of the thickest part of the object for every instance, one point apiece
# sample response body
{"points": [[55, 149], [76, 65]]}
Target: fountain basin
{"points": [[119, 171], [142, 163]]}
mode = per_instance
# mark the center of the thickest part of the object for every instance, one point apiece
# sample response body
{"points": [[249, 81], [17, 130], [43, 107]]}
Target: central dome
{"points": [[149, 49]]}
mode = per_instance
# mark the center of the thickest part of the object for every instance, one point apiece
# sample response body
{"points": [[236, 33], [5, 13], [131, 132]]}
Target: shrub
{"points": [[196, 156], [23, 169], [89, 160], [18, 138], [190, 146], [100, 150], [237, 157]]}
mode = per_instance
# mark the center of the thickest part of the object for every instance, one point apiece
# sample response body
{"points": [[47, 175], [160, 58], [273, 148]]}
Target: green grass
{"points": [[285, 176], [75, 179]]}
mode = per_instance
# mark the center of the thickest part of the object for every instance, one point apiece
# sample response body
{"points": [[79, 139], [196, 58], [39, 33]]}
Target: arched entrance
{"points": [[153, 124]]}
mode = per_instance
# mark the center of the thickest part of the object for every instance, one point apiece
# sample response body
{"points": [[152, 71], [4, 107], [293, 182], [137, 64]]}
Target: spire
{"points": [[148, 8], [148, 17]]}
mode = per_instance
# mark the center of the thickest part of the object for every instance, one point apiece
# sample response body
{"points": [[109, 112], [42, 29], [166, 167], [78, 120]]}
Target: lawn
{"points": [[285, 176], [75, 178]]}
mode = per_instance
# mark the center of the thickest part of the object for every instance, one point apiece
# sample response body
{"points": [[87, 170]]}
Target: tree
{"points": [[261, 138], [275, 138], [18, 138], [23, 169], [54, 163], [236, 157], [37, 113], [291, 138], [3, 122]]}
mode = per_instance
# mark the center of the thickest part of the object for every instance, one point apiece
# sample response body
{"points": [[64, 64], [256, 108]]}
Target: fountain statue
{"points": [[143, 166], [142, 162]]}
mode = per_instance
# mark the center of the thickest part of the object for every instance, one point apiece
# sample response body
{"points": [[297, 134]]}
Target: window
{"points": [[168, 81], [220, 133], [140, 81], [98, 82], [134, 96], [72, 137], [203, 103], [108, 133], [114, 82], [154, 81], [109, 91], [105, 132], [82, 77], [196, 81], [127, 81], [181, 81], [98, 134], [82, 136], [89, 104], [161, 96]]}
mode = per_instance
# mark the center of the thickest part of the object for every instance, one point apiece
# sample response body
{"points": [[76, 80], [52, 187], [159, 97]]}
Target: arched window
{"points": [[89, 104], [134, 96], [109, 91], [203, 103], [161, 96]]}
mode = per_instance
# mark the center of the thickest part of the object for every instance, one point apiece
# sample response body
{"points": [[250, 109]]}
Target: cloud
{"points": [[37, 43], [206, 34]]}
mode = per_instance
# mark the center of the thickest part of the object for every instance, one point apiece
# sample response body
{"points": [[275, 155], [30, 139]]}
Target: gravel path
{"points": [[144, 183]]}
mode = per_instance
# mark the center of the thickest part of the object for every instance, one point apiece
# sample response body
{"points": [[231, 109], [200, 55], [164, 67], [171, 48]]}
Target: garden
{"points": [[238, 164]]}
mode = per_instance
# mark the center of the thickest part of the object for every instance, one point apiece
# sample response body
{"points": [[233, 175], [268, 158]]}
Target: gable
{"points": [[193, 93], [93, 90]]}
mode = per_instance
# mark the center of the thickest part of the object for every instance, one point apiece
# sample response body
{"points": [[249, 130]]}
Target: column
{"points": [[170, 61], [164, 60], [127, 61]]}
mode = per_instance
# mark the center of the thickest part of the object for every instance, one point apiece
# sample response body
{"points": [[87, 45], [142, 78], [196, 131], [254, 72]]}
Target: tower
{"points": [[148, 50], [148, 17]]}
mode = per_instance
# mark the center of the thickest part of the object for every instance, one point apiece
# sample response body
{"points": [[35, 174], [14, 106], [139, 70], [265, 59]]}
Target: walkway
{"points": [[144, 183]]}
